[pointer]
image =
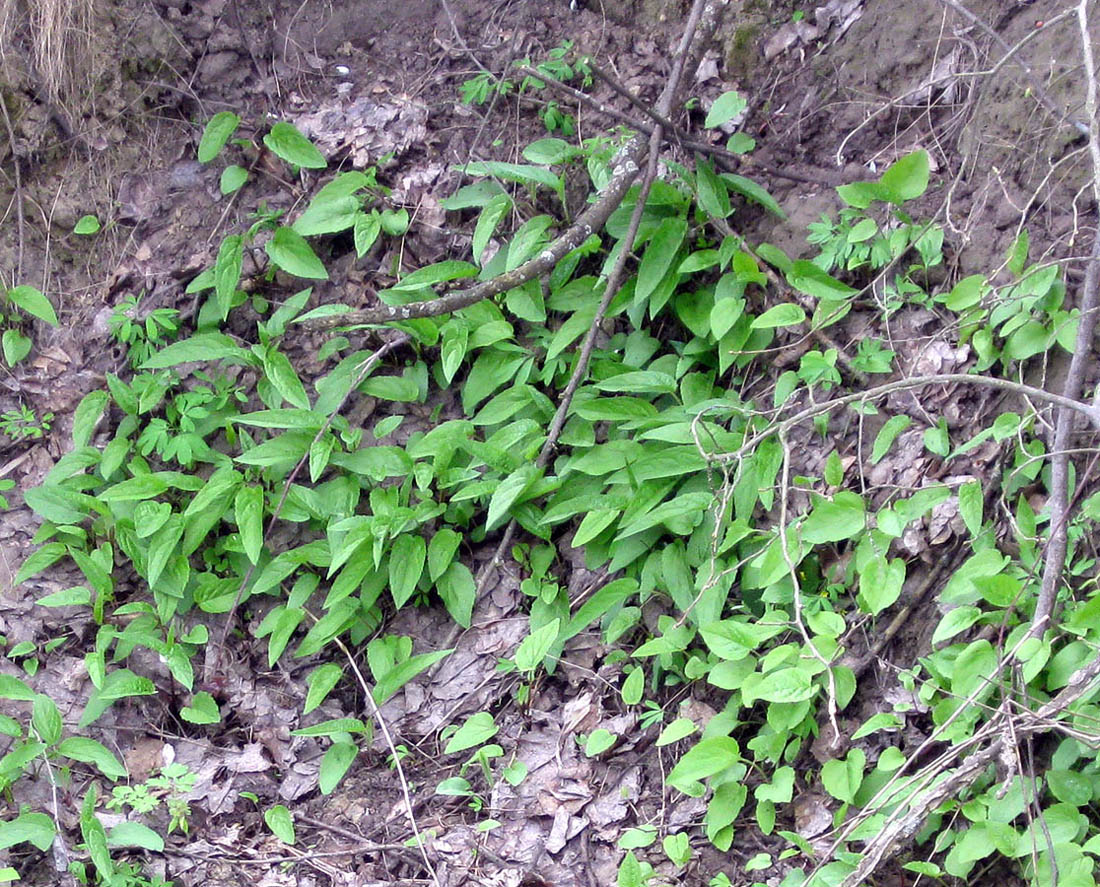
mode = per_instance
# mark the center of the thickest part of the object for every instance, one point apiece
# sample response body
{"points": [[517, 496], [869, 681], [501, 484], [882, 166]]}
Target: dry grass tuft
{"points": [[54, 38]]}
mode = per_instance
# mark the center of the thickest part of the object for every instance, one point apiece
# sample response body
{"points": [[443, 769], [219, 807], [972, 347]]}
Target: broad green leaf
{"points": [[835, 520], [842, 778], [713, 196], [906, 178], [281, 823], [13, 688], [508, 492], [87, 416], [534, 648], [320, 683], [787, 314], [754, 192], [406, 566], [441, 551], [248, 510], [202, 710], [782, 685], [86, 225], [227, 272], [16, 346], [659, 255], [46, 719], [955, 621], [39, 560], [514, 172], [727, 106], [476, 730], [335, 763], [633, 687], [216, 133], [706, 758], [280, 372], [135, 834], [289, 251], [200, 347], [232, 178], [28, 828], [365, 232], [487, 223], [88, 751], [396, 678], [457, 588], [679, 729], [31, 300], [886, 436], [287, 142], [144, 486], [430, 275], [971, 505], [332, 727]]}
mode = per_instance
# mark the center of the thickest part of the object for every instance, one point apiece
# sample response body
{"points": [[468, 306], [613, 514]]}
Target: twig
{"points": [[1092, 412], [18, 191], [1057, 543], [406, 794], [1040, 93]]}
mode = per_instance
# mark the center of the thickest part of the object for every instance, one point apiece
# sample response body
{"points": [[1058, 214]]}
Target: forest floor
{"points": [[834, 95]]}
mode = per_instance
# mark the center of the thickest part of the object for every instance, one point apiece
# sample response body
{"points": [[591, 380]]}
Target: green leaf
{"points": [[16, 346], [289, 251], [430, 275], [727, 106], [787, 314], [87, 415], [86, 225], [508, 492], [320, 683], [46, 719], [441, 551], [679, 729], [782, 685], [28, 828], [706, 758], [333, 727], [39, 560], [633, 687], [534, 648], [514, 172], [407, 559], [842, 779], [365, 233], [887, 435], [280, 372], [281, 823], [476, 730], [754, 192], [216, 133], [336, 762], [287, 142], [248, 511], [713, 196], [329, 212], [954, 622], [202, 710], [396, 678], [135, 834], [971, 505], [906, 178], [88, 751], [95, 838], [639, 382], [33, 302], [13, 688], [458, 589], [660, 253], [835, 520], [200, 347], [232, 178], [227, 272]]}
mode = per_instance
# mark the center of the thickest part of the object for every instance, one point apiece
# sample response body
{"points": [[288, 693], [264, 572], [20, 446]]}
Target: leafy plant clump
{"points": [[668, 474]]}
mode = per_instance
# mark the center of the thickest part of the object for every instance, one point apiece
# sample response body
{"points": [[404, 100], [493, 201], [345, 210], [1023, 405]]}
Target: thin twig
{"points": [[1057, 543], [18, 191]]}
